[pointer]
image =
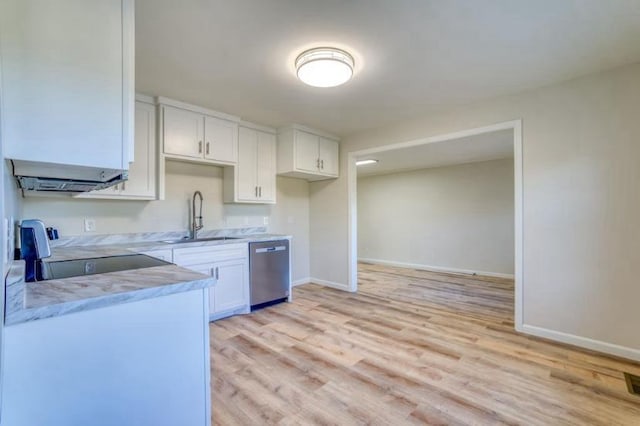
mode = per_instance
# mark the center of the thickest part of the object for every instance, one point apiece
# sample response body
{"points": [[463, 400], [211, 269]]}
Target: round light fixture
{"points": [[324, 67]]}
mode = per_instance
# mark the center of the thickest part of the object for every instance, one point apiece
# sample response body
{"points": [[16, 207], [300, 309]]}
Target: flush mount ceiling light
{"points": [[324, 67], [365, 162]]}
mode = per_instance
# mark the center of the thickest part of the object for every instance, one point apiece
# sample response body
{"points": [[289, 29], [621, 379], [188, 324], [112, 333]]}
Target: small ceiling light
{"points": [[365, 162], [324, 67]]}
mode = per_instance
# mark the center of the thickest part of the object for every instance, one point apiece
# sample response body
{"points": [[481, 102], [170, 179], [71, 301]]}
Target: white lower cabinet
{"points": [[138, 363], [229, 265], [230, 291]]}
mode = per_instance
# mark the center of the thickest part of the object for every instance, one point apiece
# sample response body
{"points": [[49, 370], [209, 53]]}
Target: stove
{"points": [[98, 265]]}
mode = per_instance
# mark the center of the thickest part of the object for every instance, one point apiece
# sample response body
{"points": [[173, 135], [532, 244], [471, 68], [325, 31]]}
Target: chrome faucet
{"points": [[196, 221]]}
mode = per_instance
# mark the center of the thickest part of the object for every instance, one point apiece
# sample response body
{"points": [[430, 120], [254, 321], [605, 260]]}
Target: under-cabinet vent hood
{"points": [[47, 177]]}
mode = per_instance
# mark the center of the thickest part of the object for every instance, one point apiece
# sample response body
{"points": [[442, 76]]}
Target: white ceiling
{"points": [[412, 56], [471, 149]]}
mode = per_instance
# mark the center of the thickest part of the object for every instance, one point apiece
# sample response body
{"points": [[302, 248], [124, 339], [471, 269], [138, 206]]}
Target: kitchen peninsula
{"points": [[136, 338], [127, 347]]}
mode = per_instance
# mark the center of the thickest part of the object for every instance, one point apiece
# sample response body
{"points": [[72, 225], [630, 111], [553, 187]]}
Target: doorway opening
{"points": [[473, 146]]}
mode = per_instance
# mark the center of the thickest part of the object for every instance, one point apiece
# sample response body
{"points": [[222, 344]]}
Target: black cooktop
{"points": [[98, 265]]}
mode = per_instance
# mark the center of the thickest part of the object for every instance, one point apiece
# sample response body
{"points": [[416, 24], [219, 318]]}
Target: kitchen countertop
{"points": [[114, 249], [46, 299]]}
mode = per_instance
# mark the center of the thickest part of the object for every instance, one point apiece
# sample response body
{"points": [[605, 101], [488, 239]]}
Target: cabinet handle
{"points": [[256, 192], [322, 164], [199, 147], [318, 163], [124, 185], [260, 191], [207, 148], [217, 273]]}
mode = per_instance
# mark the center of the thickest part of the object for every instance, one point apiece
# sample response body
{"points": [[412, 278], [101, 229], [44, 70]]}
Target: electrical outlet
{"points": [[265, 220], [89, 225]]}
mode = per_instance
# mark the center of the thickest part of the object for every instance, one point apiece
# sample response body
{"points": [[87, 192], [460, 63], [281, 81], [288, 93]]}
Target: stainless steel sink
{"points": [[198, 240]]}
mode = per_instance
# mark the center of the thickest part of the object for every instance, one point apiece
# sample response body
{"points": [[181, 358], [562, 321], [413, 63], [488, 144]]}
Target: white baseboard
{"points": [[301, 281], [435, 268], [338, 286], [583, 342]]}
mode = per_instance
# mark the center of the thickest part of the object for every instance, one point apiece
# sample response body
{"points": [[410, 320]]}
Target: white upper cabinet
{"points": [[195, 134], [246, 173], [307, 154], [143, 172], [183, 132], [221, 140], [68, 81], [328, 153], [253, 180], [266, 167]]}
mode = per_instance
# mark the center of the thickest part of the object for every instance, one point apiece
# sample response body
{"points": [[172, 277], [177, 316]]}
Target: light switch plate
{"points": [[89, 225]]}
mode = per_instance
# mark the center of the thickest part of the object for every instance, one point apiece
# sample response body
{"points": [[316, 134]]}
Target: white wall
{"points": [[3, 253], [456, 217], [11, 208], [290, 215], [581, 206]]}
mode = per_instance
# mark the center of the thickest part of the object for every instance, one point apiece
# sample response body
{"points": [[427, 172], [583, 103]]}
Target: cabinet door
{"points": [[140, 363], [266, 167], [246, 168], [141, 184], [142, 172], [206, 269], [306, 151], [231, 288], [221, 140], [182, 132], [66, 81], [329, 157]]}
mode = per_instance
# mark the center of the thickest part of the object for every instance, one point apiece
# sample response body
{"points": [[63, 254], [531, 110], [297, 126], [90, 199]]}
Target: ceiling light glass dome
{"points": [[324, 67]]}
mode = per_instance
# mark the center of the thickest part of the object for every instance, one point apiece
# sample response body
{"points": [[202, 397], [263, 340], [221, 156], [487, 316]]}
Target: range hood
{"points": [[47, 177]]}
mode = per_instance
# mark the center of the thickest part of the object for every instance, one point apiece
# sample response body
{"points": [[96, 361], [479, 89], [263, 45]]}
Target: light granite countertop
{"points": [[80, 251], [46, 299]]}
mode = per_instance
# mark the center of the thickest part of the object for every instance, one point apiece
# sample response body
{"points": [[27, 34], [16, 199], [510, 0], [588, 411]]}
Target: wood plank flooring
{"points": [[411, 347]]}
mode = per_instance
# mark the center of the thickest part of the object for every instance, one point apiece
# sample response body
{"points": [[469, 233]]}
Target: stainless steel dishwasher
{"points": [[269, 272]]}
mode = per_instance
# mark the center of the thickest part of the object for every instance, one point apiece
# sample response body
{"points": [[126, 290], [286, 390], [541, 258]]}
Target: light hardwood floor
{"points": [[412, 347]]}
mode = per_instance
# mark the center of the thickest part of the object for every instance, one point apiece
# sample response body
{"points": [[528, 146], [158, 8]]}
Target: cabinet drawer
{"points": [[198, 255]]}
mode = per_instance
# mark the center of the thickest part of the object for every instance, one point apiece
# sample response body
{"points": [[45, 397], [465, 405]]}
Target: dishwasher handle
{"points": [[270, 249]]}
